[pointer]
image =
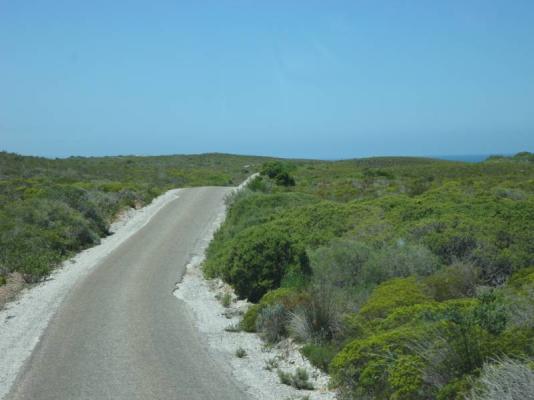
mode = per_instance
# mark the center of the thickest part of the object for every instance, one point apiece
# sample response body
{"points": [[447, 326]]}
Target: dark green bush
{"points": [[284, 179], [279, 172], [259, 259]]}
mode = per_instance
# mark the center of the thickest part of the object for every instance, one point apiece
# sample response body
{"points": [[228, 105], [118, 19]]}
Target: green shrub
{"points": [[273, 168], [453, 347], [490, 312], [361, 368], [340, 263], [284, 179], [259, 259], [405, 376], [522, 278], [391, 295], [258, 184], [454, 245], [287, 297], [3, 280], [248, 323], [427, 334], [457, 280], [301, 380], [456, 389], [399, 260], [271, 364], [279, 172], [422, 312]]}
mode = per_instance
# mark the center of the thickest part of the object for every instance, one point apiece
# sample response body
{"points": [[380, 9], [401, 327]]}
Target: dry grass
{"points": [[15, 283], [505, 379]]}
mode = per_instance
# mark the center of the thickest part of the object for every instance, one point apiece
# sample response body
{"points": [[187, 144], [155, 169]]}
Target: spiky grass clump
{"points": [[299, 380], [504, 379], [271, 323]]}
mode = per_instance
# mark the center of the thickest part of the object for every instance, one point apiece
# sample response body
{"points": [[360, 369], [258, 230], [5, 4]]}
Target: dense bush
{"points": [[421, 270], [259, 260], [361, 368], [340, 264], [399, 260], [390, 295], [279, 172], [50, 209], [425, 350]]}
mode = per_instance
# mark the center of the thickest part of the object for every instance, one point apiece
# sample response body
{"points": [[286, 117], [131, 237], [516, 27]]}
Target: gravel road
{"points": [[121, 334]]}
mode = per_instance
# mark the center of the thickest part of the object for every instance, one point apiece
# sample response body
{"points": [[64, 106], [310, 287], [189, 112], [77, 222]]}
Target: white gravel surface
{"points": [[23, 321], [212, 319]]}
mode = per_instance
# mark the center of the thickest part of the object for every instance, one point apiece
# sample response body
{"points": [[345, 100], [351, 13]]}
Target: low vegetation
{"points": [[404, 278], [52, 208], [299, 379], [240, 352]]}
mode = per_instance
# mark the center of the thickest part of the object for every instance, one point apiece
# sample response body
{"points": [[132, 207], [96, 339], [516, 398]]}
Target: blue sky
{"points": [[318, 79]]}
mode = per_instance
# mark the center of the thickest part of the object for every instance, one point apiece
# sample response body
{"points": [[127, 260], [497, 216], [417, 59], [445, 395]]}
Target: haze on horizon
{"points": [[334, 79]]}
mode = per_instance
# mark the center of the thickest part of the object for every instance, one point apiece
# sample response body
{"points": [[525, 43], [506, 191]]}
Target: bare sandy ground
{"points": [[23, 321]]}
